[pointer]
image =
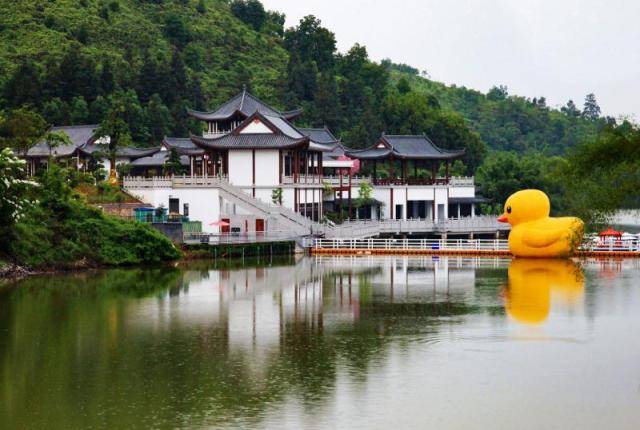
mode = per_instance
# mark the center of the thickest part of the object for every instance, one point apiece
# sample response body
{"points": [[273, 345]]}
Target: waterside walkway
{"points": [[495, 247]]}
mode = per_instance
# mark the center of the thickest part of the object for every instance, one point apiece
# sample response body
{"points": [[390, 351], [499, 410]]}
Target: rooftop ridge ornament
{"points": [[244, 92]]}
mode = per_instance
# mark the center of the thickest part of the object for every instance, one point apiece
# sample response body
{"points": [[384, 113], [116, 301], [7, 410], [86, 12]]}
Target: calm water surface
{"points": [[362, 342]]}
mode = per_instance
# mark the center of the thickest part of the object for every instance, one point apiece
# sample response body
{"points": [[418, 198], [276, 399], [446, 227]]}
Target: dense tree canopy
{"points": [[67, 62]]}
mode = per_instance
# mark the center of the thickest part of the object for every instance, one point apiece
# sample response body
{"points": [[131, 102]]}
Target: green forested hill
{"points": [[141, 63], [68, 59], [511, 122], [65, 57]]}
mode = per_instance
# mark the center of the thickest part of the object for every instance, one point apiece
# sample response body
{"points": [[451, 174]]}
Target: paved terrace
{"points": [[301, 226]]}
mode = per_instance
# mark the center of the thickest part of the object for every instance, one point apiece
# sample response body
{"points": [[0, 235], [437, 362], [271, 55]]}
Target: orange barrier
{"points": [[347, 251]]}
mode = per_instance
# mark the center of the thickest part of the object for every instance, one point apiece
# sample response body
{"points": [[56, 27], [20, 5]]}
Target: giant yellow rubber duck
{"points": [[533, 282], [533, 232]]}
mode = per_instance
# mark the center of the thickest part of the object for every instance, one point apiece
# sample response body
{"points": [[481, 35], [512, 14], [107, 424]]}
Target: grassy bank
{"points": [[58, 230]]}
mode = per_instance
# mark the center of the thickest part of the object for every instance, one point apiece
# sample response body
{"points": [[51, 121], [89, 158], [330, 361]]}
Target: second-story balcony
{"points": [[456, 181], [302, 179]]}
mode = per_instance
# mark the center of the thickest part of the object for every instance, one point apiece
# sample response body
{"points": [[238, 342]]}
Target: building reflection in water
{"points": [[254, 307], [219, 345], [537, 284]]}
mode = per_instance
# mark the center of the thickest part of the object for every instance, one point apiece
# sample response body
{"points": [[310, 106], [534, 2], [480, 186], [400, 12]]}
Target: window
{"points": [[185, 209], [399, 212], [174, 205]]}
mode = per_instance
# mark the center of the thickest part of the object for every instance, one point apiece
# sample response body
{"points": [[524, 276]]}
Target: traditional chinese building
{"points": [[253, 170]]}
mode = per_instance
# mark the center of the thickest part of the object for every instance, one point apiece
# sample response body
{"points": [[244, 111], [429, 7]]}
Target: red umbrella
{"points": [[220, 223], [610, 233]]}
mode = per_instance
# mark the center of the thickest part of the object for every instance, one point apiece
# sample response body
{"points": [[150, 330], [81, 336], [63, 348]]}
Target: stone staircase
{"points": [[286, 218], [300, 226]]}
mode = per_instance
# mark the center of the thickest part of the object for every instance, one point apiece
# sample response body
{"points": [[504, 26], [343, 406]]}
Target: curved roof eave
{"points": [[222, 143]]}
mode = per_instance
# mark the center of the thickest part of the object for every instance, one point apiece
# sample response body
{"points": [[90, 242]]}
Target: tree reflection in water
{"points": [[203, 345]]}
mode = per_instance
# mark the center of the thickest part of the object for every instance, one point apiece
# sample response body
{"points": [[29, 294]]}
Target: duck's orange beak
{"points": [[503, 218]]}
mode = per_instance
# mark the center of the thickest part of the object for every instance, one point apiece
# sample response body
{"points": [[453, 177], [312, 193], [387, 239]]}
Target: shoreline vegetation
{"points": [[47, 225]]}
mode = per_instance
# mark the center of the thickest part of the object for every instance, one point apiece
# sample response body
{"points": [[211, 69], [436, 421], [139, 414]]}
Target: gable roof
{"points": [[79, 135], [157, 159], [123, 151], [410, 147], [319, 135], [183, 145], [244, 104], [284, 136], [249, 141]]}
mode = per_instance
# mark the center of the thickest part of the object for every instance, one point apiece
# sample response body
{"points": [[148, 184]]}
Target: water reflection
{"points": [[535, 283], [277, 343]]}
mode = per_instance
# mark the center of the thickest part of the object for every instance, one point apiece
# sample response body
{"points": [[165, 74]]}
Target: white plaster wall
{"points": [[442, 199], [256, 127], [204, 203], [287, 198], [420, 193], [462, 192], [267, 168], [264, 194], [382, 195], [241, 167]]}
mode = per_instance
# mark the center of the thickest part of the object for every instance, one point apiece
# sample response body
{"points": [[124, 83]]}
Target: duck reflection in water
{"points": [[532, 284]]}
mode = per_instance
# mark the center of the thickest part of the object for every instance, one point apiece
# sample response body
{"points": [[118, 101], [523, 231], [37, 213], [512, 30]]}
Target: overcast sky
{"points": [[560, 49]]}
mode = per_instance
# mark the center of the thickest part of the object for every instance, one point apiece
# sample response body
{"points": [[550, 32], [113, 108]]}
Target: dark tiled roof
{"points": [[283, 135], [157, 159], [246, 104], [418, 147], [477, 199], [184, 145], [319, 135], [370, 153], [338, 150], [78, 134], [125, 151], [249, 141], [284, 126]]}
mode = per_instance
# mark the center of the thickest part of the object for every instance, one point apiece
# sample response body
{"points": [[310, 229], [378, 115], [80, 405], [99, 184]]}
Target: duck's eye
{"points": [[508, 209]]}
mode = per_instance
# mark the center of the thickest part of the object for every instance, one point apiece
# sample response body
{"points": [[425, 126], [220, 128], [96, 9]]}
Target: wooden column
{"points": [[404, 171], [296, 165], [340, 201], [375, 165], [391, 205], [433, 171], [253, 171], [446, 167], [391, 171], [280, 166], [350, 205]]}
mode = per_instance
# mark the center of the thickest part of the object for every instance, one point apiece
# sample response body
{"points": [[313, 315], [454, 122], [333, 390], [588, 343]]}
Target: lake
{"points": [[326, 342]]}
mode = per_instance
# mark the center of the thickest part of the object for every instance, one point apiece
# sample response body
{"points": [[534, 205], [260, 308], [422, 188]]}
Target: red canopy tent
{"points": [[610, 232], [220, 223]]}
